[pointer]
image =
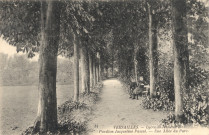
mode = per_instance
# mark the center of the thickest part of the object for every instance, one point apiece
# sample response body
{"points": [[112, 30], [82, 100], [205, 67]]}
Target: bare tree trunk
{"points": [[76, 69], [50, 30], [101, 72], [97, 72], [91, 71], [107, 72], [119, 62], [181, 56], [85, 75], [99, 66], [153, 51], [136, 65], [87, 90], [112, 68], [94, 68]]}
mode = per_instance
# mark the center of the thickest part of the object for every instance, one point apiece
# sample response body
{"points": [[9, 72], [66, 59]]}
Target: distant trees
{"points": [[24, 73], [64, 71], [4, 60]]}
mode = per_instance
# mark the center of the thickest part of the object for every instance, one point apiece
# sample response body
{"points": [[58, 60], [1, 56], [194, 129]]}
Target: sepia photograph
{"points": [[104, 67]]}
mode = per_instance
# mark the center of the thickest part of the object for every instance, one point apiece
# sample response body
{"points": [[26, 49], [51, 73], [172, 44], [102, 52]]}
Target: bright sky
{"points": [[11, 50], [6, 48]]}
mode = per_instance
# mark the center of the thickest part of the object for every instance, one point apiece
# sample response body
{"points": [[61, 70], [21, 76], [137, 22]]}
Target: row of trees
{"points": [[167, 25], [55, 28], [50, 35], [103, 35]]}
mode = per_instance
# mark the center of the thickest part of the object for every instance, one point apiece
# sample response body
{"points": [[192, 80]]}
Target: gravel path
{"points": [[117, 110]]}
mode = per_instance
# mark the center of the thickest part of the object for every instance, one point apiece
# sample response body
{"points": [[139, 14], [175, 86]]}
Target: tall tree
{"points": [[91, 70], [99, 67], [136, 48], [181, 56], [76, 68], [85, 73], [153, 63], [94, 70], [50, 27]]}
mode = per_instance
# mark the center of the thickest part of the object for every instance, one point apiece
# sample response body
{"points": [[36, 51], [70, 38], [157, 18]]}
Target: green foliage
{"points": [[18, 70], [198, 32], [19, 28], [165, 81], [73, 116], [118, 31], [143, 67], [160, 103], [170, 122], [197, 75], [196, 105], [196, 109], [20, 25]]}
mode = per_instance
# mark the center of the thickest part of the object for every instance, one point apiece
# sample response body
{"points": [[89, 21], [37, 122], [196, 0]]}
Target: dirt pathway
{"points": [[117, 110]]}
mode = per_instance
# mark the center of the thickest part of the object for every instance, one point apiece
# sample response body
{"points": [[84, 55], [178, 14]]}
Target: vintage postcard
{"points": [[104, 67]]}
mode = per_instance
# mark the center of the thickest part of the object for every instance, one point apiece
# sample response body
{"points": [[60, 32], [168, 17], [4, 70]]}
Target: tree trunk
{"points": [[153, 51], [135, 65], [76, 69], [107, 72], [97, 72], [91, 71], [112, 68], [181, 56], [101, 72], [99, 68], [119, 63], [50, 30], [94, 70], [85, 75]]}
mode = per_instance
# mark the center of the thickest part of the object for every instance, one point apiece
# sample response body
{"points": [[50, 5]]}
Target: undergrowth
{"points": [[195, 99], [73, 116]]}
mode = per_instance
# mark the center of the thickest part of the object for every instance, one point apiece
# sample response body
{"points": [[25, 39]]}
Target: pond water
{"points": [[18, 106]]}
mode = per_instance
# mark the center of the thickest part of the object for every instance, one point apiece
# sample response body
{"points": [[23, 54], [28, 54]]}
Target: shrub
{"points": [[196, 108], [171, 122], [161, 102], [73, 116]]}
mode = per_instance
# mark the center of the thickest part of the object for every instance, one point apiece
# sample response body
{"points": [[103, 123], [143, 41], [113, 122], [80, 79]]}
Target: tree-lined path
{"points": [[160, 43], [116, 109]]}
